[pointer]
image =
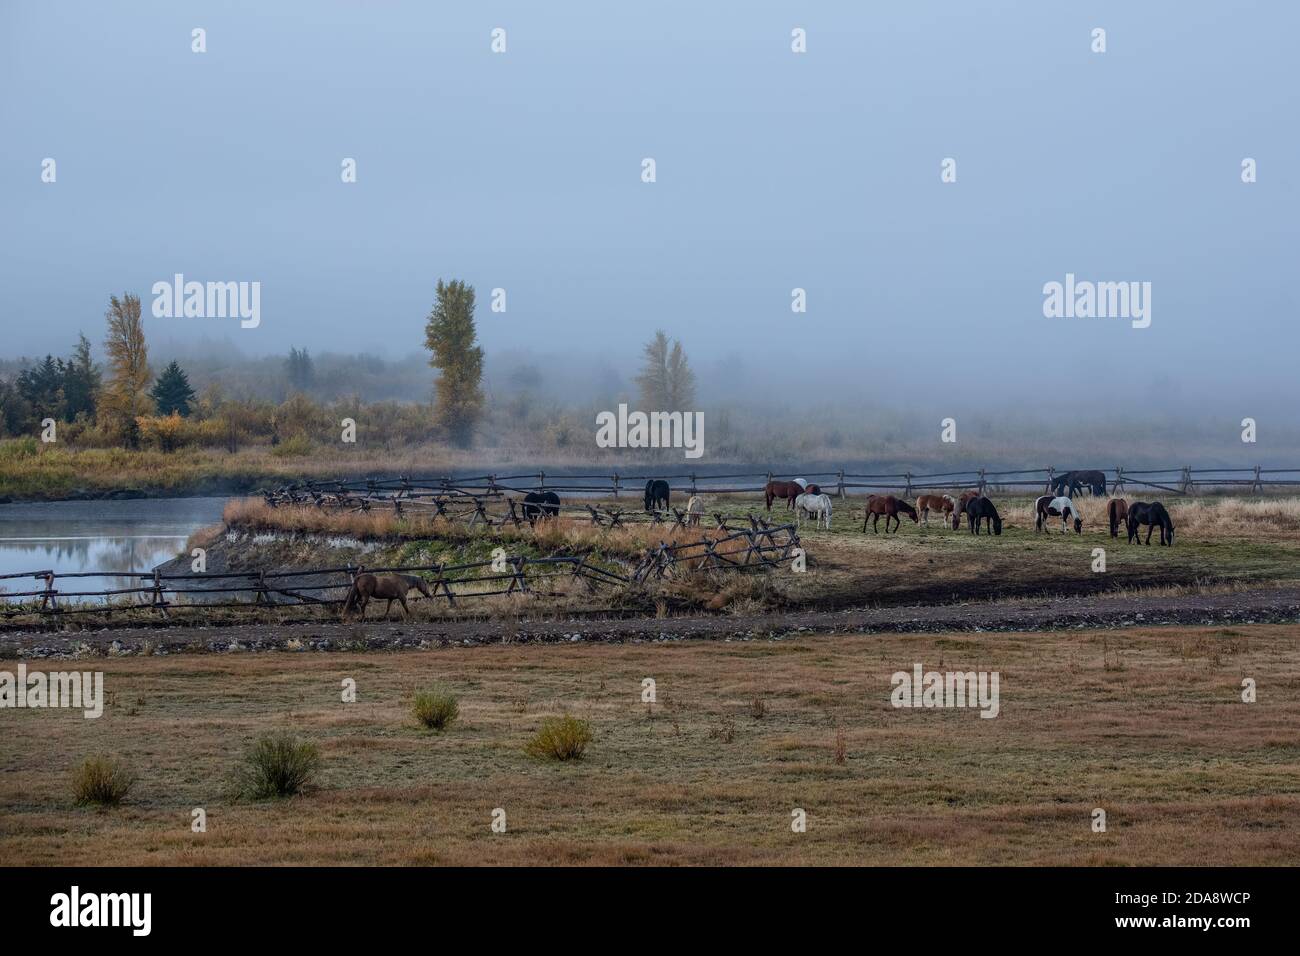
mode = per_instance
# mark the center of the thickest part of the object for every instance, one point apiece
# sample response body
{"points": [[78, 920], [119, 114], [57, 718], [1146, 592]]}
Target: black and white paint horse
{"points": [[1057, 507]]}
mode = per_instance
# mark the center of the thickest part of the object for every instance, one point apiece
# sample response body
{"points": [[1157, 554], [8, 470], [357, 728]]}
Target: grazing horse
{"points": [[815, 506], [694, 510], [980, 508], [1117, 511], [789, 490], [889, 506], [1057, 507], [944, 504], [656, 495], [390, 586], [1072, 483], [541, 504], [960, 510], [1152, 515]]}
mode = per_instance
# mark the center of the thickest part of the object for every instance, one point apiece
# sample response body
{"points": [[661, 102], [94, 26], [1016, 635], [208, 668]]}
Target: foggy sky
{"points": [[775, 171]]}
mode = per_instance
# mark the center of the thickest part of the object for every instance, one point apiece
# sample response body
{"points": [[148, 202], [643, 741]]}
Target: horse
{"points": [[1071, 483], [810, 488], [391, 586], [789, 490], [656, 495], [1152, 515], [1058, 506], [541, 504], [815, 506], [694, 510], [1117, 511], [889, 506], [980, 508], [944, 504], [960, 510]]}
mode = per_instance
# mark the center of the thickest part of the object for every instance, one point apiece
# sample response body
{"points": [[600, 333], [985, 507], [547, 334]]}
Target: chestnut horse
{"points": [[944, 504], [789, 490], [1117, 510], [960, 510], [889, 506], [390, 586]]}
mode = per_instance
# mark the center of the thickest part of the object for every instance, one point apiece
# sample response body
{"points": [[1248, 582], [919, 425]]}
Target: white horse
{"points": [[1057, 505], [694, 510], [815, 506]]}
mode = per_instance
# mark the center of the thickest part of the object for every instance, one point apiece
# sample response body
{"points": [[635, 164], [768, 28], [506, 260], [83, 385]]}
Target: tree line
{"points": [[123, 403]]}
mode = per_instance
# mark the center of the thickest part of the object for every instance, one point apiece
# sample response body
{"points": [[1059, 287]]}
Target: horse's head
{"points": [[997, 524], [421, 585], [1078, 525]]}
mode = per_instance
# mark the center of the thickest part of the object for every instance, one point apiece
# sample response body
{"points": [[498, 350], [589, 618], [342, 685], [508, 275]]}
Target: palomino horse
{"points": [[960, 510], [1117, 511], [789, 490], [1048, 506], [541, 504], [1153, 515], [656, 495], [944, 504], [889, 506], [694, 510], [390, 586], [815, 506], [979, 509]]}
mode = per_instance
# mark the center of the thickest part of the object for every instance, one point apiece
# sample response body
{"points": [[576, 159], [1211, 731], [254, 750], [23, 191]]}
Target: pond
{"points": [[106, 536]]}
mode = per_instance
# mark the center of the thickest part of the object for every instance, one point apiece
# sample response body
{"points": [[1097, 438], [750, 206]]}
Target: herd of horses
{"points": [[808, 501]]}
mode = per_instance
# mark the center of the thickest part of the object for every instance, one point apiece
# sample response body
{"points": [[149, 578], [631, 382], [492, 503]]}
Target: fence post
{"points": [[983, 483], [49, 600], [1051, 473], [841, 483], [615, 484], [1188, 487], [907, 491], [1118, 486], [541, 479], [1257, 485], [692, 483]]}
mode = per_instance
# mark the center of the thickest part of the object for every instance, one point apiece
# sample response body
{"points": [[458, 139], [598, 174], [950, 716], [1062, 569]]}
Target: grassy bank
{"points": [[1146, 724]]}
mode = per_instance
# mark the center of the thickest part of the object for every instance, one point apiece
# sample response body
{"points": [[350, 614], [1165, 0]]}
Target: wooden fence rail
{"points": [[1182, 479], [761, 546]]}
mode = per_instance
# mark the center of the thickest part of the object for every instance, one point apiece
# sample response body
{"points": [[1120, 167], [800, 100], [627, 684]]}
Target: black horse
{"points": [[541, 504], [656, 495], [1076, 481], [978, 509], [1153, 515]]}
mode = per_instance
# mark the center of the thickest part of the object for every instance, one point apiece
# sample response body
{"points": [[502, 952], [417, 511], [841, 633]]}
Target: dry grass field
{"points": [[1145, 723]]}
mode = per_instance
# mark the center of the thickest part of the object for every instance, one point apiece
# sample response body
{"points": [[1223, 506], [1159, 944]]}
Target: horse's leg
{"points": [[406, 611]]}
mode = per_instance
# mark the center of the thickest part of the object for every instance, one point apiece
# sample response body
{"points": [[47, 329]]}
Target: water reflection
{"points": [[67, 536]]}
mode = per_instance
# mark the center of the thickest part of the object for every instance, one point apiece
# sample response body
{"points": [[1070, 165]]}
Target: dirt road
{"points": [[1258, 606]]}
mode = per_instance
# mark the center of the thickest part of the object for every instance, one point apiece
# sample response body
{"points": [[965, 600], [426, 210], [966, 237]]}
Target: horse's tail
{"points": [[353, 593]]}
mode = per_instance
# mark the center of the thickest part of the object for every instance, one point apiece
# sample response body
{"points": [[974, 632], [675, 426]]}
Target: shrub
{"points": [[298, 446], [101, 781], [277, 765], [560, 738], [435, 708]]}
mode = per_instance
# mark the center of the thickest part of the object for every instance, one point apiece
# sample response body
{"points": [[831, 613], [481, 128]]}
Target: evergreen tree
{"points": [[41, 386], [172, 392], [449, 335], [299, 370], [81, 382]]}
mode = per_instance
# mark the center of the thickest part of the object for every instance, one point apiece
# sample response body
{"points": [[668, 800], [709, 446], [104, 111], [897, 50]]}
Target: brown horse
{"points": [[789, 490], [391, 586], [944, 504], [889, 506], [1117, 510], [960, 510]]}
